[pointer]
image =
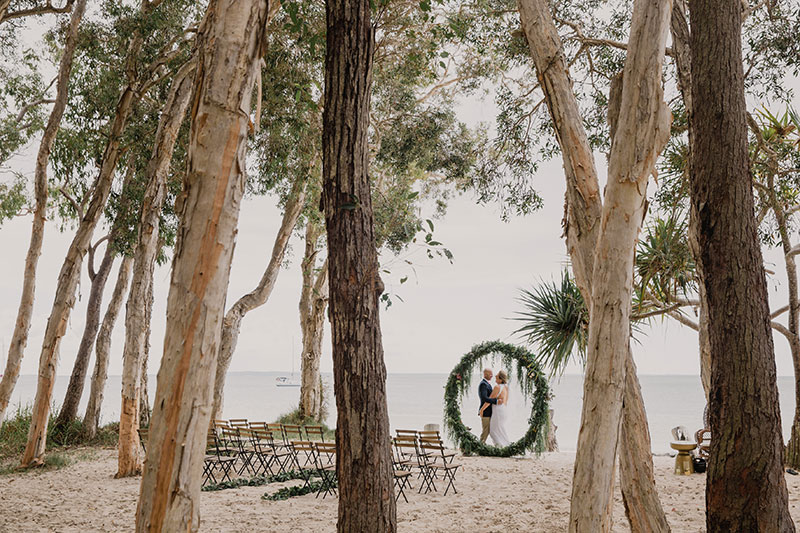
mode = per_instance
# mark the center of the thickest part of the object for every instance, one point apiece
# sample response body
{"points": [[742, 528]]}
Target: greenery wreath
{"points": [[517, 361]]}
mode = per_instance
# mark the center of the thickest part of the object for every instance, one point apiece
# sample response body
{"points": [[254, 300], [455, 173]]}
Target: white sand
{"points": [[494, 495]]}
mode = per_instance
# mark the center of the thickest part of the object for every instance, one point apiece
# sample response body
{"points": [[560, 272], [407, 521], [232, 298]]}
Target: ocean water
{"points": [[417, 399]]}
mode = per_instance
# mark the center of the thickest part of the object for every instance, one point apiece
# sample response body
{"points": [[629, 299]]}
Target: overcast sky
{"points": [[445, 309]]}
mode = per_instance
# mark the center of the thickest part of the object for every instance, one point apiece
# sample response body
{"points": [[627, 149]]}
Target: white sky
{"points": [[446, 308]]}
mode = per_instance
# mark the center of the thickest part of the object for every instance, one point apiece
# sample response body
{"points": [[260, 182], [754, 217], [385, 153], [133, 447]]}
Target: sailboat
{"points": [[285, 381]]}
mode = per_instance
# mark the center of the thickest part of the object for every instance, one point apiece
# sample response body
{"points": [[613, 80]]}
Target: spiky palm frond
{"points": [[664, 265], [556, 321]]}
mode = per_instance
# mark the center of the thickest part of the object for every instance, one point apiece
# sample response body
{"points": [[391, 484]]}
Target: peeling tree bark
{"points": [[144, 398], [232, 323], [581, 227], [641, 133], [364, 461], [69, 409], [313, 302], [139, 300], [19, 339], [746, 487], [67, 283], [91, 419], [230, 41]]}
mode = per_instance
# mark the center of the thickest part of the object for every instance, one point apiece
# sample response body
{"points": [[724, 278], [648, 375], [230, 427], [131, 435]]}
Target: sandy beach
{"points": [[527, 494]]}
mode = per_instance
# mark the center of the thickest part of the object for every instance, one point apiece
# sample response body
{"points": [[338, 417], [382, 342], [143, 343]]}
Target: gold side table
{"points": [[683, 462]]}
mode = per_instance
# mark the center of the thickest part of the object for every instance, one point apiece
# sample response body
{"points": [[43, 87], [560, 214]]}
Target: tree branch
{"points": [[683, 319], [777, 326], [594, 41], [75, 205], [38, 10], [778, 312]]}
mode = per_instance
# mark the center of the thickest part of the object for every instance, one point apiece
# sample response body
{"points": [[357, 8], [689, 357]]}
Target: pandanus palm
{"points": [[555, 318]]}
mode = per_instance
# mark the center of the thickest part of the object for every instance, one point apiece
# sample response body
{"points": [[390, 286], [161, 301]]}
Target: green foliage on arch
{"points": [[519, 363]]}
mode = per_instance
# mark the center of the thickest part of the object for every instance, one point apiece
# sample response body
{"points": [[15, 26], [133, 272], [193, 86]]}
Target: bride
{"points": [[497, 426]]}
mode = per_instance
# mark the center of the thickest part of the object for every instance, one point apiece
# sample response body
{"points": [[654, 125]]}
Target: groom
{"points": [[484, 391]]}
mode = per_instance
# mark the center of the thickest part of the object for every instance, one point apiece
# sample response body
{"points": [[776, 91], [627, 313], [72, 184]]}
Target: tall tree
{"points": [[232, 323], [584, 220], [97, 279], [313, 303], [746, 489], [137, 321], [364, 462], [230, 42], [91, 418], [145, 58], [19, 339]]}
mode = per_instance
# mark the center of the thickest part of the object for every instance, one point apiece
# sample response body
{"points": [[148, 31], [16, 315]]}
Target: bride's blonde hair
{"points": [[502, 377]]}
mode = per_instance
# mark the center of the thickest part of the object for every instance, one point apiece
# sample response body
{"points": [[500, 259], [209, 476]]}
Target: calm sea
{"points": [[416, 400]]}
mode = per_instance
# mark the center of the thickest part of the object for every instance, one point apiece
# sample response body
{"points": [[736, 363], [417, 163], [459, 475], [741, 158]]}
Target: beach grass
{"points": [[14, 435], [294, 418]]}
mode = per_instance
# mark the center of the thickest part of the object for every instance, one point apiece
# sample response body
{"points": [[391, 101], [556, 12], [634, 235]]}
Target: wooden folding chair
{"points": [[293, 432], [325, 458], [233, 441], [448, 455], [410, 455], [432, 453], [258, 425], [277, 433], [402, 479], [263, 456], [215, 457], [305, 448], [410, 449], [315, 433]]}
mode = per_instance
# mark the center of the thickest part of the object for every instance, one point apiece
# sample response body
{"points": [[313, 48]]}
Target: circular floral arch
{"points": [[518, 362]]}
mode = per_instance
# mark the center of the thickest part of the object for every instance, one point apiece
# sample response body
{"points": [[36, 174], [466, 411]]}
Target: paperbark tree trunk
{"points": [[144, 396], [746, 488], [679, 29], [364, 461], [19, 338], [4, 8], [313, 302], [139, 300], [230, 41], [581, 228], [637, 478], [641, 133], [232, 323], [793, 333], [69, 408], [91, 419], [67, 283]]}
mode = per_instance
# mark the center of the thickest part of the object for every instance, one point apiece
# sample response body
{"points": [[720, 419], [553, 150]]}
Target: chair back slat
{"points": [[302, 446], [407, 433], [238, 422], [293, 432], [315, 432]]}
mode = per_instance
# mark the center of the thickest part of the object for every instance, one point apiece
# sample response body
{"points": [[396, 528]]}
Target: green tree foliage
{"points": [[420, 152], [102, 67], [555, 319]]}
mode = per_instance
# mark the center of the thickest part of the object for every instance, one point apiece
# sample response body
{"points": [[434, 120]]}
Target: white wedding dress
{"points": [[498, 426]]}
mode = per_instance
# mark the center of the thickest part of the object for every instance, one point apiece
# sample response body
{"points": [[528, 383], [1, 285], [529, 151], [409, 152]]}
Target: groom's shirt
{"points": [[484, 391]]}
